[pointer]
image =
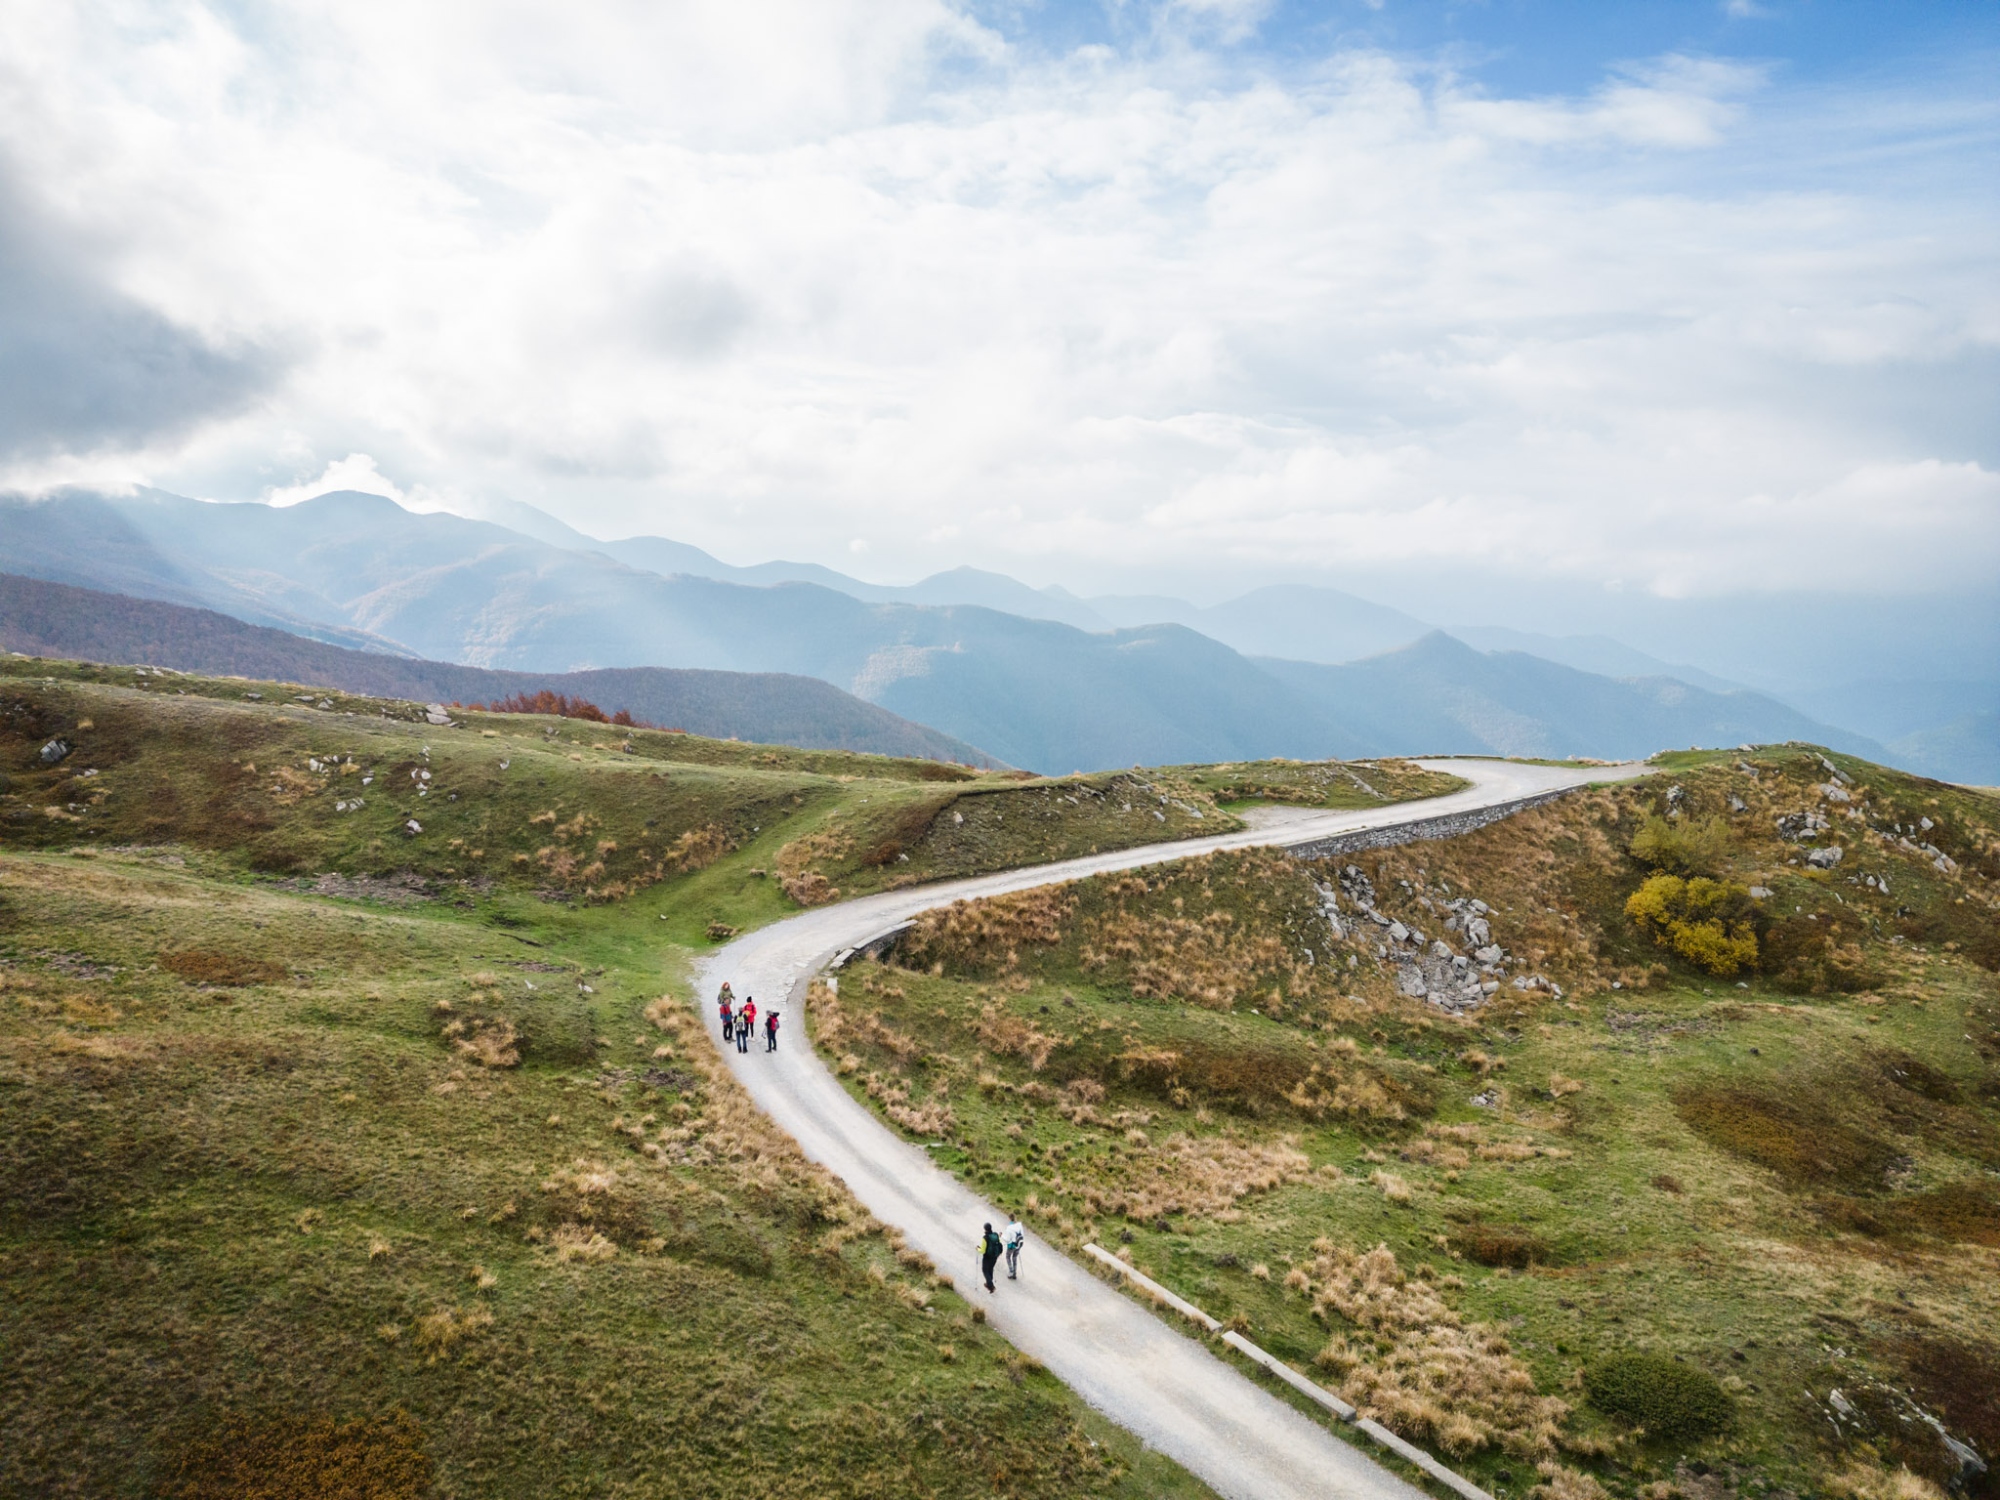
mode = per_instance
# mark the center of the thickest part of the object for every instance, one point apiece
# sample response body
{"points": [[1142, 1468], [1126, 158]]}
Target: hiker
{"points": [[771, 1032], [746, 1024], [989, 1255], [1016, 1237], [728, 1022]]}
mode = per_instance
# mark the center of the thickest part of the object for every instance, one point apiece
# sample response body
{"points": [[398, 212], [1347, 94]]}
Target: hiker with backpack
{"points": [[746, 1023], [989, 1255], [728, 1017], [1015, 1237], [771, 1032]]}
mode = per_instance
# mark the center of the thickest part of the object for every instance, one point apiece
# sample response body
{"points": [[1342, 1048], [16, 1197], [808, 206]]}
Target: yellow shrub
{"points": [[1707, 922]]}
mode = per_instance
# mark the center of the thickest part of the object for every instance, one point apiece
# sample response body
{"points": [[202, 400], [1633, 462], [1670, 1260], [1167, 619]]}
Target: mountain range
{"points": [[1035, 678], [38, 618]]}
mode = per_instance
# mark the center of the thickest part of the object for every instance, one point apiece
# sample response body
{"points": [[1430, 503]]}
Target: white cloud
{"points": [[784, 278], [357, 471]]}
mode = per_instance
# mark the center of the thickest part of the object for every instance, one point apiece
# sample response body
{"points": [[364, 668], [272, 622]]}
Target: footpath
{"points": [[1148, 1376]]}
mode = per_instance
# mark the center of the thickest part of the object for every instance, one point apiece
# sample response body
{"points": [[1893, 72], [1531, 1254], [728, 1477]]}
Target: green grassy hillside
{"points": [[1721, 1141], [284, 781], [333, 1146], [329, 1147]]}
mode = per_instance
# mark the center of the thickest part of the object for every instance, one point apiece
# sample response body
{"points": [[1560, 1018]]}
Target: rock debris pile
{"points": [[1427, 968]]}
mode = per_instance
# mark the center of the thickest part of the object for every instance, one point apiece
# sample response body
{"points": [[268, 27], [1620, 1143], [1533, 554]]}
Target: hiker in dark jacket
{"points": [[989, 1255], [771, 1032]]}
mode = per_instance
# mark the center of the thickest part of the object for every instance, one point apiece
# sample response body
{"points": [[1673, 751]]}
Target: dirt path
{"points": [[1139, 1371]]}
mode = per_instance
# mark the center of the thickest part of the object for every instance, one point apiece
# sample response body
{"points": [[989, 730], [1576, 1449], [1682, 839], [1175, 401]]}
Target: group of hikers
{"points": [[739, 1025], [739, 1022]]}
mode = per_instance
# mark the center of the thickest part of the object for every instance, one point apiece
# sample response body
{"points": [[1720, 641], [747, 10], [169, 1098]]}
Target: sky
{"points": [[1660, 299]]}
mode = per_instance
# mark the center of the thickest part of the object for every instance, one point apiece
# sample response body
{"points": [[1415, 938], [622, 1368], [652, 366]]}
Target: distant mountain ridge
{"points": [[1034, 692], [39, 618]]}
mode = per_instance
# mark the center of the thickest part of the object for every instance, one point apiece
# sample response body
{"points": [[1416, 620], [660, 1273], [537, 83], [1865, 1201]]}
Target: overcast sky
{"points": [[1671, 297]]}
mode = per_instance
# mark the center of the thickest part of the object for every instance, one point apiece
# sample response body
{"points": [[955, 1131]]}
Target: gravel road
{"points": [[1139, 1371]]}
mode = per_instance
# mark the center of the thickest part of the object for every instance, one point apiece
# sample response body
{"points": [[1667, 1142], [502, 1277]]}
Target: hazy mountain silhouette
{"points": [[40, 618], [1036, 692]]}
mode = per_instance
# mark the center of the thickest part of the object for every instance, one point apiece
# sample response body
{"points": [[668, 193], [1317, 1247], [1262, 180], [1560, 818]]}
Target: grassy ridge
{"points": [[1781, 1182], [327, 1142]]}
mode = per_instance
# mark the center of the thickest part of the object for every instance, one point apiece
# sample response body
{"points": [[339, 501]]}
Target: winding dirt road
{"points": [[1150, 1378]]}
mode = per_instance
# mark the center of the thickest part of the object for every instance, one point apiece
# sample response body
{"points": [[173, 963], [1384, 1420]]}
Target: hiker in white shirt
{"points": [[1014, 1237]]}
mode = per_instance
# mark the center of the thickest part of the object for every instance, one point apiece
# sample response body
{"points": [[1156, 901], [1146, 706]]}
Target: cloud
{"points": [[85, 367], [778, 279], [357, 471]]}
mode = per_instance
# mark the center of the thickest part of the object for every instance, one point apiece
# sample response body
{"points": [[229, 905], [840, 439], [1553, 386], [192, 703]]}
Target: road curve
{"points": [[1141, 1373]]}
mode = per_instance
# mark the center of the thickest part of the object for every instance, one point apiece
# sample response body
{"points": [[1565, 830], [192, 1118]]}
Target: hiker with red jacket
{"points": [[728, 1017], [771, 1032], [746, 1023]]}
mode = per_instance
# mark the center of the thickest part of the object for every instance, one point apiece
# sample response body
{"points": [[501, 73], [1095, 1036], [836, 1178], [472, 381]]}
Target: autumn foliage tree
{"points": [[560, 706]]}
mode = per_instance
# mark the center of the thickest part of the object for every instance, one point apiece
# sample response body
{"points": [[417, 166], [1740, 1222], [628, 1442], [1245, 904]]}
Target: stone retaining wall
{"points": [[1445, 826]]}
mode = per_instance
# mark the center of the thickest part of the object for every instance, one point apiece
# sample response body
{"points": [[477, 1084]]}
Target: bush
{"points": [[1500, 1245], [1669, 1399], [1681, 848], [1707, 922]]}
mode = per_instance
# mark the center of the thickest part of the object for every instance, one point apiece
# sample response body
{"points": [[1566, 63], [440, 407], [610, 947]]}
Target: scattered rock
{"points": [[55, 750], [1825, 859], [1800, 827]]}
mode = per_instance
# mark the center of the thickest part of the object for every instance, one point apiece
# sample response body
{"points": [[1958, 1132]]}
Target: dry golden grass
{"points": [[491, 1044], [800, 872], [440, 1332], [303, 1459], [992, 932], [1201, 1177], [1440, 1380], [1561, 1483], [572, 1242], [1859, 1480]]}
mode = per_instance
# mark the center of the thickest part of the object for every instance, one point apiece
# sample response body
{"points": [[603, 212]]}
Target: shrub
{"points": [[1500, 1245], [1706, 922], [1669, 1399], [1681, 848]]}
